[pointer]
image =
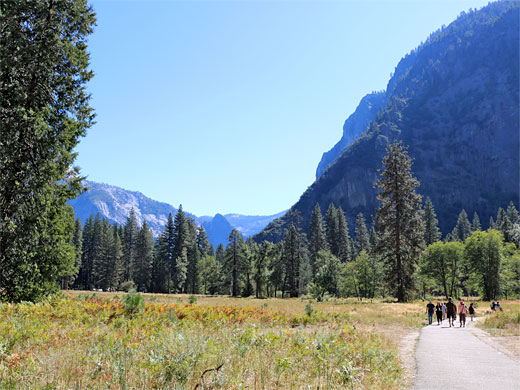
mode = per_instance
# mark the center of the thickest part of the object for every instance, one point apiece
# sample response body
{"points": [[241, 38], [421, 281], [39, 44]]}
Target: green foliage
{"points": [[362, 236], [327, 274], [431, 228], [317, 237], [133, 303], [399, 220], [462, 229], [192, 299], [43, 113], [442, 263], [483, 252]]}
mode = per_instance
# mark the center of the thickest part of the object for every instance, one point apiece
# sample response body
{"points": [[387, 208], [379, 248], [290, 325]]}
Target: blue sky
{"points": [[228, 106]]}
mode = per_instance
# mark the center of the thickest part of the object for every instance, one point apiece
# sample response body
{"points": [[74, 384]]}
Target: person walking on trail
{"points": [[443, 311], [438, 311], [430, 308], [451, 311], [471, 311], [462, 314]]}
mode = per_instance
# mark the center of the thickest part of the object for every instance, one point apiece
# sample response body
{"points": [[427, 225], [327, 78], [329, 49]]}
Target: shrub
{"points": [[133, 303], [127, 286], [192, 299]]}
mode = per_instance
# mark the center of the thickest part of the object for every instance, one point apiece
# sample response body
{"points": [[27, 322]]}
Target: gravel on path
{"points": [[454, 358]]}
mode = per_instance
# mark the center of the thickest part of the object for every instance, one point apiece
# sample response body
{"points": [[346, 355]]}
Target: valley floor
{"points": [[92, 340]]}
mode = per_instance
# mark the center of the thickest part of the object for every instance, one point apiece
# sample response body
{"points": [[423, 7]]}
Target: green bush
{"points": [[192, 299], [133, 303]]}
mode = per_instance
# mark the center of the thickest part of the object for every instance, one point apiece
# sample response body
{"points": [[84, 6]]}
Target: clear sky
{"points": [[228, 106]]}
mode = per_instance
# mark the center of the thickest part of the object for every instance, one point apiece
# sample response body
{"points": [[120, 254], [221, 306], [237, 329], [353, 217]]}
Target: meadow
{"points": [[82, 340]]}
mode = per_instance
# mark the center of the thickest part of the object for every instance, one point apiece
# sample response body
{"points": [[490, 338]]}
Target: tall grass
{"points": [[92, 342]]}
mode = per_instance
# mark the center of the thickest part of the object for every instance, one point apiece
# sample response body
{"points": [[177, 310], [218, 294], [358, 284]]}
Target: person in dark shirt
{"points": [[471, 311], [451, 310], [430, 308], [438, 311]]}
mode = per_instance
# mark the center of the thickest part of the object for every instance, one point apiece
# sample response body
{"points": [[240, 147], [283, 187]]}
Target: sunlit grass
{"points": [[85, 341]]}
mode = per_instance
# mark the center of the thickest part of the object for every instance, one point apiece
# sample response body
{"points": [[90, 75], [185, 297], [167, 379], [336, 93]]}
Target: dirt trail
{"points": [[455, 358]]}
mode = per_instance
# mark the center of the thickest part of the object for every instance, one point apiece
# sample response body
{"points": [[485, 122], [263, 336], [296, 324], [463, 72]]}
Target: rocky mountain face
{"points": [[355, 125], [114, 204], [454, 101], [218, 229]]}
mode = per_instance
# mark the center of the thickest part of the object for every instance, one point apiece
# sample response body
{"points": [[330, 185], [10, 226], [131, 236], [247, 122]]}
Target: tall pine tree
{"points": [[343, 238], [144, 255], [131, 230], [331, 223], [234, 260], [399, 220], [317, 237], [181, 238], [476, 226], [431, 224], [362, 236], [462, 229]]}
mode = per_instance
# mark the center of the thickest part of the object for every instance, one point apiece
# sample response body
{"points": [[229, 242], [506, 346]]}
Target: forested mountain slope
{"points": [[454, 101]]}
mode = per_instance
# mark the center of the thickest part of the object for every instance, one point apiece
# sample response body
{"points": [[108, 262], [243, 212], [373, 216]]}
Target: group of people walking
{"points": [[449, 310]]}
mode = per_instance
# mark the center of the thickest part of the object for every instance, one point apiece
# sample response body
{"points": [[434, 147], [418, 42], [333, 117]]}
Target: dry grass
{"points": [[88, 342]]}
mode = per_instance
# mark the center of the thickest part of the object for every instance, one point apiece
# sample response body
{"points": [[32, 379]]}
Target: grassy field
{"points": [[92, 341]]}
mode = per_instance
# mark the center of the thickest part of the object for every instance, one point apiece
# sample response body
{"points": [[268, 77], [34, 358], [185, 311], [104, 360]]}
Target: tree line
{"points": [[400, 254]]}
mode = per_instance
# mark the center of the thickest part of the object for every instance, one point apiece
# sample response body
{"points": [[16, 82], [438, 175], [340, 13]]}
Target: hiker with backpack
{"points": [[451, 310], [471, 311]]}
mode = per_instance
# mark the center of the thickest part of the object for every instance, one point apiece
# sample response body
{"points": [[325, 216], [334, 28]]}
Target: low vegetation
{"points": [[505, 322], [110, 341]]}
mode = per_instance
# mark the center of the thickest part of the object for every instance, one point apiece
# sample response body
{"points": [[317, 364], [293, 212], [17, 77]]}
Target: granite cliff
{"points": [[454, 101]]}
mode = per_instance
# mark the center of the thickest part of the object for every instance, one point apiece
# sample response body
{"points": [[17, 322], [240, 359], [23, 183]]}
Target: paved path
{"points": [[466, 359]]}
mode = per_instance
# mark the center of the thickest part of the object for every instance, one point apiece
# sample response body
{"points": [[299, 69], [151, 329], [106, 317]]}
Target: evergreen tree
{"points": [[492, 224], [317, 238], [144, 255], [277, 269], [343, 238], [105, 263], [131, 230], [266, 252], [220, 258], [117, 253], [504, 225], [362, 236], [85, 268], [462, 229], [331, 222], [292, 257], [399, 219], [44, 111], [512, 213], [203, 244], [235, 258], [193, 253], [162, 265], [431, 224], [77, 243], [179, 262], [476, 226]]}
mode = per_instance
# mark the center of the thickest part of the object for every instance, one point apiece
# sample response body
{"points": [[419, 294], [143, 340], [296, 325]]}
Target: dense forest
{"points": [[329, 260]]}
